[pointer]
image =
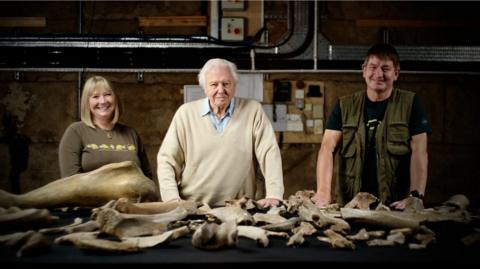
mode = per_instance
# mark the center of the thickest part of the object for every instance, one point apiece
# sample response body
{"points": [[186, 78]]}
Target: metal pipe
{"points": [[315, 36], [257, 71]]}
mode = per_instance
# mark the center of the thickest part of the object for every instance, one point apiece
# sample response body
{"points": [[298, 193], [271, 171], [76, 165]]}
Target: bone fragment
{"points": [[285, 226], [362, 201], [213, 236], [309, 212], [362, 235], [397, 238], [306, 228], [382, 218], [123, 205], [268, 218], [151, 241], [89, 241], [232, 213], [76, 222], [414, 204], [130, 225], [380, 243], [338, 241], [29, 217], [459, 200], [254, 233], [28, 243], [94, 188], [296, 239]]}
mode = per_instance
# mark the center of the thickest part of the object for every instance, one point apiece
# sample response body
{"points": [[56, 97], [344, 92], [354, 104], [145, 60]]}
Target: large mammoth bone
{"points": [[95, 188]]}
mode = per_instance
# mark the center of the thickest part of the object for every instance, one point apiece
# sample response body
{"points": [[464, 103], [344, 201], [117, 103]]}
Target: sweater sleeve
{"points": [[70, 153], [170, 160], [268, 155]]}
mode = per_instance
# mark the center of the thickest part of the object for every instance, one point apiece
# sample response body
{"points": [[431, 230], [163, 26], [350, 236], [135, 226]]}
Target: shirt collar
{"points": [[206, 107]]}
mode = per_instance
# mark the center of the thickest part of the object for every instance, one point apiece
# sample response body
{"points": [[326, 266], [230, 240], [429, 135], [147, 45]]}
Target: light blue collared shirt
{"points": [[218, 124]]}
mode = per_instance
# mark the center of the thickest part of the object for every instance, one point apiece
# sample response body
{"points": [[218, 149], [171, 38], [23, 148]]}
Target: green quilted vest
{"points": [[392, 144]]}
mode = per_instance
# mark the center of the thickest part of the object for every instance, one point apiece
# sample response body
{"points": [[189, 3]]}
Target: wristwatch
{"points": [[416, 194]]}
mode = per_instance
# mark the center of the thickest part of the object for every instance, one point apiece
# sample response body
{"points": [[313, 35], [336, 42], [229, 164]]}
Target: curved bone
{"points": [[285, 226], [123, 205], [94, 188], [90, 241], [151, 241], [128, 225], [231, 213], [306, 228]]}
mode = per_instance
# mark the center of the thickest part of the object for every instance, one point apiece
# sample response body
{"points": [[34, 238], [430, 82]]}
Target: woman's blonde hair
{"points": [[90, 85]]}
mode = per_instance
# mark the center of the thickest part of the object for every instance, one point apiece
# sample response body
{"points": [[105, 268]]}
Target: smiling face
{"points": [[220, 88], [380, 74], [102, 103]]}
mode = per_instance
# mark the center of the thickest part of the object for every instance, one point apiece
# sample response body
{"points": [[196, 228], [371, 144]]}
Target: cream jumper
{"points": [[195, 162]]}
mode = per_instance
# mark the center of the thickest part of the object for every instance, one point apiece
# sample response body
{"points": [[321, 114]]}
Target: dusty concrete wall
{"points": [[46, 103]]}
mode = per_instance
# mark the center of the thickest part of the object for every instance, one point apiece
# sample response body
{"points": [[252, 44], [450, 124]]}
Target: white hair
{"points": [[214, 63]]}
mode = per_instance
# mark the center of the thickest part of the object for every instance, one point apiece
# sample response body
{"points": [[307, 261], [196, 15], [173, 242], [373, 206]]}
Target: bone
{"points": [[381, 218], [231, 213], [151, 241], [129, 225], [89, 241], [338, 241], [285, 226], [362, 200], [306, 228], [296, 239], [310, 212], [413, 204], [76, 222], [213, 236], [28, 243], [380, 243], [95, 188], [362, 235], [254, 233], [459, 200], [31, 217], [123, 205], [268, 218]]}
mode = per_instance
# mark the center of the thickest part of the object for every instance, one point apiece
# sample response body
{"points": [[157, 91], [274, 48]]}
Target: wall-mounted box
{"points": [[233, 29], [233, 5]]}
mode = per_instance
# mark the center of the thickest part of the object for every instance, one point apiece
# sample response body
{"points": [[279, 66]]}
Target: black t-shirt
{"points": [[373, 115]]}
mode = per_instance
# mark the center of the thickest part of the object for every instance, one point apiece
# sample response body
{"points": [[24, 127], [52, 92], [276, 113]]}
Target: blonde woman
{"points": [[99, 139]]}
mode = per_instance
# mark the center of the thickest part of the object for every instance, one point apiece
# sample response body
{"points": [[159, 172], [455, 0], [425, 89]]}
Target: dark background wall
{"points": [[36, 107]]}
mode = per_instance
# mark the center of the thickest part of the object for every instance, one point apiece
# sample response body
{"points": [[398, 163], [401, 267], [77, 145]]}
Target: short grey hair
{"points": [[90, 85], [214, 63]]}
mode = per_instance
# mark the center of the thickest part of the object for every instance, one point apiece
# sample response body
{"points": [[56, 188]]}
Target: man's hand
{"points": [[321, 200], [268, 202]]}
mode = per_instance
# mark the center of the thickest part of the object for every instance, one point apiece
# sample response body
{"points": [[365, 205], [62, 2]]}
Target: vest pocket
{"points": [[398, 138], [349, 150], [348, 141]]}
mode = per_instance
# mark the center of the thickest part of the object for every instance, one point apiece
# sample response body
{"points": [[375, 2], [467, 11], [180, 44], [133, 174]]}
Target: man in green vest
{"points": [[381, 137]]}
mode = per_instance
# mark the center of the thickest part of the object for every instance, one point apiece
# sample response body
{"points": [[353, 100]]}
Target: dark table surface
{"points": [[447, 249]]}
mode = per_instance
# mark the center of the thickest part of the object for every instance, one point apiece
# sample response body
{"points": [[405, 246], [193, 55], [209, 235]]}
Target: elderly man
{"points": [[209, 152]]}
